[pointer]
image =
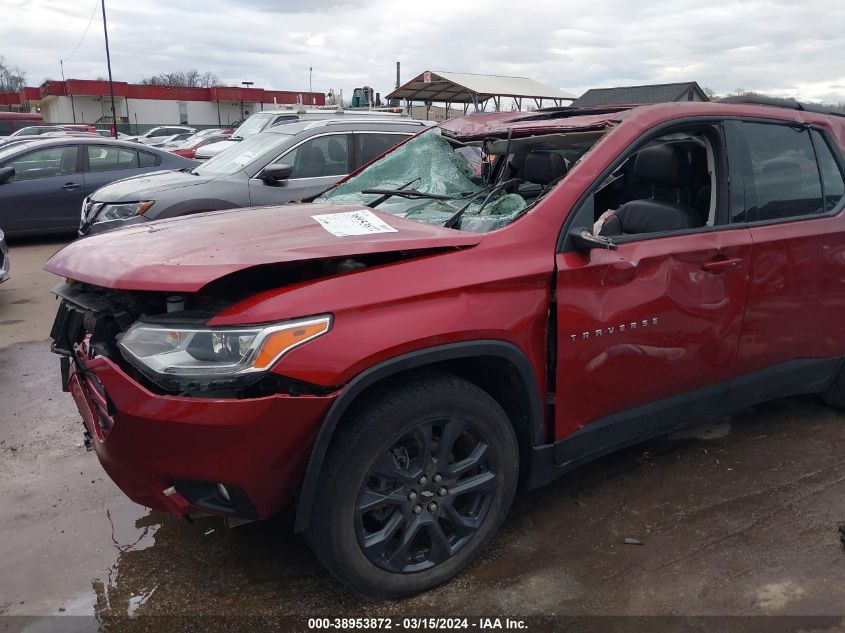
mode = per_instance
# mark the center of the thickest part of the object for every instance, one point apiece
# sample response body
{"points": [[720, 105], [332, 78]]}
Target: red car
{"points": [[396, 356], [188, 148]]}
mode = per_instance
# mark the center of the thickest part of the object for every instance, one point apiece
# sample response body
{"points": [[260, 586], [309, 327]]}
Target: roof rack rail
{"points": [[777, 102], [397, 121]]}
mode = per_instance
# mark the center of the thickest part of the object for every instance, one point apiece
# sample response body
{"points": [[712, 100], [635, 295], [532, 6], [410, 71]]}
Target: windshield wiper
{"points": [[384, 197], [453, 220], [408, 193]]}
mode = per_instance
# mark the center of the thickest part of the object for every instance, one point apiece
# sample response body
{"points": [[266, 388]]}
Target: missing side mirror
{"points": [[585, 241]]}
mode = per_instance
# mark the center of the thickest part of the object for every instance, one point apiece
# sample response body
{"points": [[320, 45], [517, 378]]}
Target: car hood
{"points": [[147, 186], [184, 254]]}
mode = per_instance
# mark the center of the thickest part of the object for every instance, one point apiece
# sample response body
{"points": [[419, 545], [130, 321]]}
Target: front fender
{"points": [[420, 358]]}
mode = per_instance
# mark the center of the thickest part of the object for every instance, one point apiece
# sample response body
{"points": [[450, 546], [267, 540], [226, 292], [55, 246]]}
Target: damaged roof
{"points": [[654, 93], [438, 85], [478, 126]]}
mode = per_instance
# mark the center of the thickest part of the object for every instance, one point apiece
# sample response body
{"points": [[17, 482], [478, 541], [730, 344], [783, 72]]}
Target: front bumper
{"points": [[5, 267], [159, 449], [86, 228], [5, 263]]}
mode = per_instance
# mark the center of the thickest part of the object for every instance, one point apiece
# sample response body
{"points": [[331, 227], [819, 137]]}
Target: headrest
{"points": [[650, 216], [336, 151], [543, 168], [663, 166]]}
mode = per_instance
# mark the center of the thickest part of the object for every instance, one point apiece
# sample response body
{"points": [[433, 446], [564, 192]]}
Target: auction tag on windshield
{"points": [[353, 223]]}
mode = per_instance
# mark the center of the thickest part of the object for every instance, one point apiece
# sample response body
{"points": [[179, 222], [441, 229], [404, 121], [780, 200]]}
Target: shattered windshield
{"points": [[479, 186]]}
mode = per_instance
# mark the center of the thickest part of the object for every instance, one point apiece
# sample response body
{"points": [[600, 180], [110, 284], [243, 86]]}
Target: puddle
{"points": [[72, 560]]}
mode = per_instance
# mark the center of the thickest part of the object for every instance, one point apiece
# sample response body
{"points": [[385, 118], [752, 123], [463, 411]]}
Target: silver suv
{"points": [[283, 164]]}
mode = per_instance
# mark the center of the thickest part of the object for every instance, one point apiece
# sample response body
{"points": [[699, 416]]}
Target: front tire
{"points": [[415, 485]]}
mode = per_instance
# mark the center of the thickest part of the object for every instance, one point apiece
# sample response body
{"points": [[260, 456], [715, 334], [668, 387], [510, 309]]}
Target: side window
{"points": [[284, 119], [147, 160], [108, 158], [43, 163], [671, 184], [833, 186], [368, 146], [784, 180], [319, 157]]}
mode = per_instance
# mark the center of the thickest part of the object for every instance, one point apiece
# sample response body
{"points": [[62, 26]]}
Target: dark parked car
{"points": [[285, 163], [43, 181], [398, 356]]}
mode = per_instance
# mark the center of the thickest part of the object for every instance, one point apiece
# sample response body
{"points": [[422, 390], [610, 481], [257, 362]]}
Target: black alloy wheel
{"points": [[418, 479], [425, 496]]}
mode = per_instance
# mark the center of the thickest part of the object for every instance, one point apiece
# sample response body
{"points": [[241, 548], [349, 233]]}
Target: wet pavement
{"points": [[737, 517]]}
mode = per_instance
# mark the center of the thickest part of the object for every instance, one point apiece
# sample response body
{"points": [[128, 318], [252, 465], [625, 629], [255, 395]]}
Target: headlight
{"points": [[123, 211], [211, 353]]}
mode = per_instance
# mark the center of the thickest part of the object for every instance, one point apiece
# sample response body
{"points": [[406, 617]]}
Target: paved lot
{"points": [[738, 517]]}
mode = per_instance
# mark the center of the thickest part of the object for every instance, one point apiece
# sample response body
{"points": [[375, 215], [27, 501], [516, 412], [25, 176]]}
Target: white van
{"points": [[260, 121]]}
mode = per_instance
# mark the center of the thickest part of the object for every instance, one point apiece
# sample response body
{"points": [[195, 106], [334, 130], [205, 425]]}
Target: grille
{"points": [[90, 209]]}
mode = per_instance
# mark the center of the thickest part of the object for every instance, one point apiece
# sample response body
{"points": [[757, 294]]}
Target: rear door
{"points": [[793, 196], [317, 163], [46, 191], [107, 163], [369, 145]]}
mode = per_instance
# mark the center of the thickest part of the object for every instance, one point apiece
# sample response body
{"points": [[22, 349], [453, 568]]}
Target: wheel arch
{"points": [[502, 362]]}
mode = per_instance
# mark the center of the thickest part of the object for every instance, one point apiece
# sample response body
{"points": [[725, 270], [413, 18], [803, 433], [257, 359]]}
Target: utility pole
{"points": [[108, 62], [72, 108], [310, 89]]}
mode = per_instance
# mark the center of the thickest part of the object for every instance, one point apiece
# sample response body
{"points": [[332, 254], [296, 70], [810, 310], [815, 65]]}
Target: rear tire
{"points": [[414, 487]]}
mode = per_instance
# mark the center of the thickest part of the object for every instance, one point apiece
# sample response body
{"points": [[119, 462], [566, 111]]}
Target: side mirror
{"points": [[6, 174], [585, 241], [276, 172]]}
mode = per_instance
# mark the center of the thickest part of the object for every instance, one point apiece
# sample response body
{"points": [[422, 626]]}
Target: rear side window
{"points": [[108, 158], [833, 186], [784, 181], [368, 146], [147, 160], [43, 163]]}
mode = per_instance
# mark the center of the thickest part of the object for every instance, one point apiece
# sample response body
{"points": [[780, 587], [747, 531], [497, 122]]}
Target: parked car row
{"points": [[436, 333]]}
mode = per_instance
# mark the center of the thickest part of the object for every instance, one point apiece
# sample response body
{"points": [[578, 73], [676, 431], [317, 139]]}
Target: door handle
{"points": [[722, 265], [71, 186]]}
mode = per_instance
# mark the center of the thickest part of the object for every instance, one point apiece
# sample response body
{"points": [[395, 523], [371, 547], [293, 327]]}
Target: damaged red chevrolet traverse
{"points": [[488, 305]]}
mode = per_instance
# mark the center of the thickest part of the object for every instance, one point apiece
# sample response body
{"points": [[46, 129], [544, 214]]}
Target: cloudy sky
{"points": [[782, 48]]}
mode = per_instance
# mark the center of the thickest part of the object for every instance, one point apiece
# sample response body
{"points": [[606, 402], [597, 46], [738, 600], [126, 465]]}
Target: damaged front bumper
{"points": [[237, 457]]}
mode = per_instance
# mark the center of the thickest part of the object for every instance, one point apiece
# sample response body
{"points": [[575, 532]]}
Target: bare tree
{"points": [[12, 78], [183, 78]]}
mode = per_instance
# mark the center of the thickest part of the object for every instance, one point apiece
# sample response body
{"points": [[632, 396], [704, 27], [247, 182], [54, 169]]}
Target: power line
{"points": [[85, 32]]}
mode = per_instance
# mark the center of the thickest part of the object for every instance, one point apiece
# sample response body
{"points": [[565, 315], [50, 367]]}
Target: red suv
{"points": [[495, 301]]}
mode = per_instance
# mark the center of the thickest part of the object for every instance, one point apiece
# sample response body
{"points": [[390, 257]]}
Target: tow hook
{"points": [[87, 440]]}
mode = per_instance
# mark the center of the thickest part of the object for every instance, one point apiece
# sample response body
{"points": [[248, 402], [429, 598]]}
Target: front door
{"points": [[46, 192], [317, 164], [647, 334]]}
